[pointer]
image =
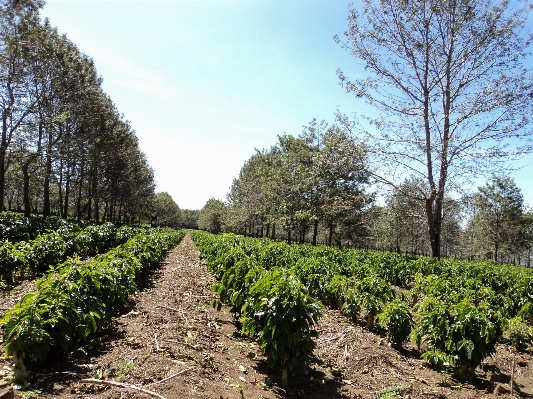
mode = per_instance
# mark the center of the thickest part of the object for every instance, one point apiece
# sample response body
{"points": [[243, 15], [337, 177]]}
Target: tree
{"points": [[189, 218], [500, 219], [249, 208], [339, 177], [212, 215], [450, 81], [166, 211], [17, 22], [315, 179]]}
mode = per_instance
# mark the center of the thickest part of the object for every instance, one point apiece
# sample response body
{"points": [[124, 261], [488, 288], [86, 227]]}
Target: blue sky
{"points": [[203, 83]]}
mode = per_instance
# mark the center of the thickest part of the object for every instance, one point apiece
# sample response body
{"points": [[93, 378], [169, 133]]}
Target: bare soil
{"points": [[168, 342]]}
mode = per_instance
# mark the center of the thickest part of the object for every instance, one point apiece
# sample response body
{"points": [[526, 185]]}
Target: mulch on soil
{"points": [[169, 342]]}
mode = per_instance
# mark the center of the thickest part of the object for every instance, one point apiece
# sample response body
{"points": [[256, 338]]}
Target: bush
{"points": [[519, 333], [398, 321], [281, 314], [71, 300], [460, 334]]}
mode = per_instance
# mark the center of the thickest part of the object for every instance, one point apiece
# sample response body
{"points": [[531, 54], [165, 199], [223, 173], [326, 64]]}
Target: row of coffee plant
{"points": [[459, 309], [273, 305], [14, 226], [25, 259], [76, 298]]}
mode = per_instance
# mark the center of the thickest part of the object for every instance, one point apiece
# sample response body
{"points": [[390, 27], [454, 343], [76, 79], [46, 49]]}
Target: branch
{"points": [[168, 378], [121, 385]]}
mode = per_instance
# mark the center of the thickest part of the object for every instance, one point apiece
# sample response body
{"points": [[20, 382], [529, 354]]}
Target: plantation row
{"points": [[75, 298], [460, 310], [14, 226], [29, 259]]}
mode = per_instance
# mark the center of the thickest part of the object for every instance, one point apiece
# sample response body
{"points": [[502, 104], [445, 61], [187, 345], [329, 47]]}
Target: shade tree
{"points": [[451, 88]]}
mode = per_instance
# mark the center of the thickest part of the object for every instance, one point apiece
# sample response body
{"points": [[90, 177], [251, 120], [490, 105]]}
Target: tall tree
{"points": [[17, 21], [211, 217], [166, 211], [500, 219], [450, 80], [317, 178], [248, 205], [189, 218]]}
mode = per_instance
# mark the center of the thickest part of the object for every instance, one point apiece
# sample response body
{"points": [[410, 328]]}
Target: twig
{"points": [[346, 354], [183, 314], [176, 310], [121, 385], [340, 335], [168, 307], [157, 348], [168, 378]]}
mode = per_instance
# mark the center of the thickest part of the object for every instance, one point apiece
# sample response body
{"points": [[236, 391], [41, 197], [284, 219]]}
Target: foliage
{"points": [[166, 211], [520, 334], [14, 226], [33, 258], [65, 148], [460, 307], [211, 217], [189, 219], [73, 300], [316, 180], [459, 333], [396, 317], [281, 314], [451, 81], [371, 293], [499, 222], [274, 305]]}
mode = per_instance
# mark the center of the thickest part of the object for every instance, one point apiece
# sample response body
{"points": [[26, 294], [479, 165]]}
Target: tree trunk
{"points": [[274, 231], [67, 194], [315, 232], [434, 219], [26, 178], [370, 321], [20, 371], [2, 177], [3, 150], [330, 237], [80, 191], [46, 185], [289, 237], [48, 173], [60, 188]]}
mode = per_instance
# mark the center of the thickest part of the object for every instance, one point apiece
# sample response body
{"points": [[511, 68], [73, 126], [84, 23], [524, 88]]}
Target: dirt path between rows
{"points": [[170, 343]]}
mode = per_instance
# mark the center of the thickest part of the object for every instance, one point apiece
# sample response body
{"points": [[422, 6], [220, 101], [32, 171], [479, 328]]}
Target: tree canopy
{"points": [[451, 82], [301, 183], [64, 147]]}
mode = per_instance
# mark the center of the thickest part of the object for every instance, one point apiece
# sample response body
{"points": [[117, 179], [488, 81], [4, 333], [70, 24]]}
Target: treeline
{"points": [[317, 188], [65, 149]]}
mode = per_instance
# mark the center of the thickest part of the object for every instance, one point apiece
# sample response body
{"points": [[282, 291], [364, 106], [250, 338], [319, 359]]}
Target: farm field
{"points": [[170, 327]]}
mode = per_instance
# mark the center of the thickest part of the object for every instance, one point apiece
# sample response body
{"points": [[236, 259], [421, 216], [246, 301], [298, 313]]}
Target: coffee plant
{"points": [[72, 300]]}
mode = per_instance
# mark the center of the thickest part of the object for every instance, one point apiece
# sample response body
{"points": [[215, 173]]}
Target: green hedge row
{"points": [[30, 259], [71, 302], [273, 305], [14, 226], [459, 309]]}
